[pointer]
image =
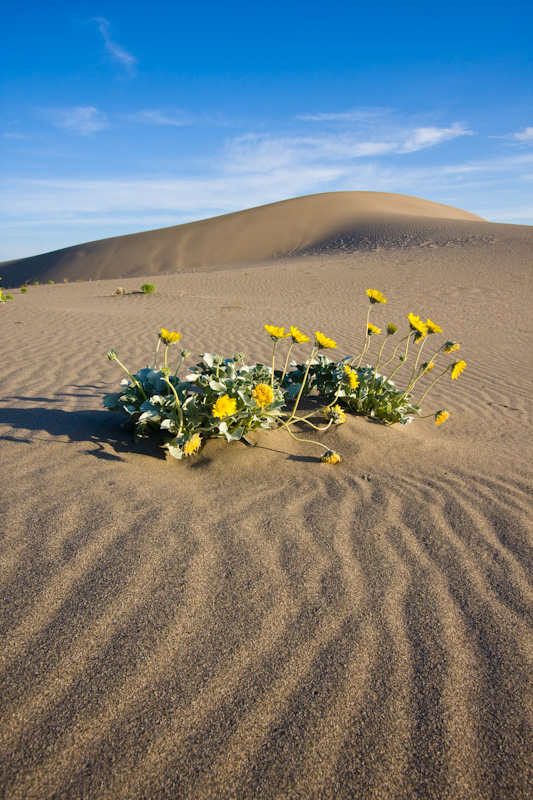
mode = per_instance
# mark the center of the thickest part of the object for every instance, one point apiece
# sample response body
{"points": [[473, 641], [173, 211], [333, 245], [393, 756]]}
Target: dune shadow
{"points": [[101, 431]]}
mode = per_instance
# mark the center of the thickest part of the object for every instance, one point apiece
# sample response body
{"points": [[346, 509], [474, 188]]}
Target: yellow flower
{"points": [[391, 329], [373, 330], [428, 367], [169, 337], [192, 445], [276, 333], [224, 407], [374, 296], [450, 347], [322, 341], [330, 457], [263, 395], [432, 328], [417, 325], [441, 416], [336, 414], [297, 336], [457, 368], [352, 377]]}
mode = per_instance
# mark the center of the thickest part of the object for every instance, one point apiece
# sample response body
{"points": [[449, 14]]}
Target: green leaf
{"points": [[112, 401]]}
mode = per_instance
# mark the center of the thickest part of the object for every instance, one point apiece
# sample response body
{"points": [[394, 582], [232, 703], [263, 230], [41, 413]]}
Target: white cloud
{"points": [[261, 153], [80, 119], [522, 137], [157, 117], [421, 138], [118, 52], [355, 115]]}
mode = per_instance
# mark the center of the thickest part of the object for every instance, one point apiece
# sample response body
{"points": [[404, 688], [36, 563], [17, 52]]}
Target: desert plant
{"points": [[36, 283], [223, 397], [120, 291], [148, 288], [51, 283], [23, 289], [4, 297]]}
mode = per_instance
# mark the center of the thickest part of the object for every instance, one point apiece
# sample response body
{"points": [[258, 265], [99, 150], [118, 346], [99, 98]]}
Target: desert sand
{"points": [[250, 622]]}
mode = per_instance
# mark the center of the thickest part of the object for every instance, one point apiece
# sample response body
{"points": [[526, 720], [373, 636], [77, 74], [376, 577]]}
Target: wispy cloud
{"points": [[522, 137], [263, 152], [355, 115], [175, 119], [84, 120], [118, 52]]}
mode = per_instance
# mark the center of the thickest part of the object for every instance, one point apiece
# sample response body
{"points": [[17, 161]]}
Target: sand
{"points": [[252, 623]]}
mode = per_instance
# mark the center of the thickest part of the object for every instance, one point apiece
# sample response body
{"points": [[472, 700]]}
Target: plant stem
{"points": [[377, 362], [298, 439], [135, 381], [166, 354], [156, 352], [304, 419], [394, 371], [367, 337], [433, 383], [178, 404], [286, 362], [179, 366], [273, 364], [314, 351], [395, 350], [417, 360]]}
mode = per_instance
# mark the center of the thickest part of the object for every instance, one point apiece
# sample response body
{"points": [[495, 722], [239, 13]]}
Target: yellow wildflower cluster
{"points": [[263, 395], [375, 297], [336, 414], [192, 445], [432, 328], [330, 457], [417, 325], [276, 333], [441, 416], [451, 347], [457, 368], [373, 330], [322, 342], [169, 337], [352, 377], [224, 407], [297, 336]]}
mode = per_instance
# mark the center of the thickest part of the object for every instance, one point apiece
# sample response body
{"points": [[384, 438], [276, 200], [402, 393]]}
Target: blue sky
{"points": [[119, 117]]}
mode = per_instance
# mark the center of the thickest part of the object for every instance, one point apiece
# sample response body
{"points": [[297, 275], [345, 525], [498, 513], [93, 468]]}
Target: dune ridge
{"points": [[333, 220], [251, 623]]}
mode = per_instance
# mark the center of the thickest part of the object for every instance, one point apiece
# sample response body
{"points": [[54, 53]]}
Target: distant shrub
{"points": [[10, 297], [36, 283], [80, 280], [120, 291], [51, 283], [23, 289], [148, 288]]}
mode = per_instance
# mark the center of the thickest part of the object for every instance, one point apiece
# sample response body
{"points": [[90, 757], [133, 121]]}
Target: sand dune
{"points": [[363, 220], [252, 623]]}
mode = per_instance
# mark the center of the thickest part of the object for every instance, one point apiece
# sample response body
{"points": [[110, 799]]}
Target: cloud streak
{"points": [[84, 120], [118, 53]]}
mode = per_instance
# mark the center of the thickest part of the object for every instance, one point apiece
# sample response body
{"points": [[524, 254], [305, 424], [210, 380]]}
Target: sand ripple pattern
{"points": [[253, 624]]}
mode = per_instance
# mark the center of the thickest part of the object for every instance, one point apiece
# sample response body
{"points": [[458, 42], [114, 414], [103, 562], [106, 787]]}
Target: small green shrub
{"points": [[51, 283], [148, 288], [23, 289], [10, 296]]}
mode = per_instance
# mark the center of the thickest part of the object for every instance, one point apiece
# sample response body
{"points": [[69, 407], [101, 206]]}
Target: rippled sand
{"points": [[252, 623]]}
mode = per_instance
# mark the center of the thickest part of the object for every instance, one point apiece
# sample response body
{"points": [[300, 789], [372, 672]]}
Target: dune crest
{"points": [[322, 222]]}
